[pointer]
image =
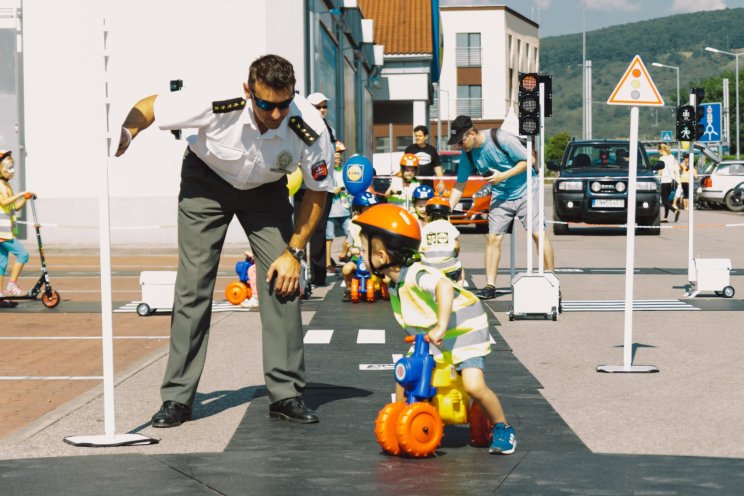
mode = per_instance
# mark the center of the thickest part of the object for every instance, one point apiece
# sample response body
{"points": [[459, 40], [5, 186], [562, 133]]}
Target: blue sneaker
{"points": [[504, 441]]}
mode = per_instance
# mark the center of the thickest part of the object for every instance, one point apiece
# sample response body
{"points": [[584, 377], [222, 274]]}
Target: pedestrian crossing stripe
{"points": [[217, 306], [619, 305]]}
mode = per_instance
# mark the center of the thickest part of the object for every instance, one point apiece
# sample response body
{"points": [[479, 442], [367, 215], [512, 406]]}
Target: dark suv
{"points": [[593, 186]]}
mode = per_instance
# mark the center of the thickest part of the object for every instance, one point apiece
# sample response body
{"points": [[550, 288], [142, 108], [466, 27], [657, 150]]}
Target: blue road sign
{"points": [[667, 136], [711, 123]]}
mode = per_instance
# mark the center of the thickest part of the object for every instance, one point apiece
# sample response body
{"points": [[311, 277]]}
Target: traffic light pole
{"points": [[691, 202]]}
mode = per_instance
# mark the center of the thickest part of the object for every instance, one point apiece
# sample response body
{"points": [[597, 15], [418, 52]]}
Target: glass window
{"points": [[468, 48], [382, 144], [603, 155], [402, 142], [325, 73]]}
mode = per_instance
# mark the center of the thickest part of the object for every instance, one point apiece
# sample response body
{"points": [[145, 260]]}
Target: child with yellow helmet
{"points": [[424, 300], [400, 191]]}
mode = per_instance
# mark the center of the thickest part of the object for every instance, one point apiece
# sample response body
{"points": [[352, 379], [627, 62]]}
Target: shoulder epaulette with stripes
{"points": [[301, 129], [225, 106]]}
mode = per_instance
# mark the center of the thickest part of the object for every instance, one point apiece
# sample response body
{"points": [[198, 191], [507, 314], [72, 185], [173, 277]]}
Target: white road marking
{"points": [[371, 336], [318, 336]]}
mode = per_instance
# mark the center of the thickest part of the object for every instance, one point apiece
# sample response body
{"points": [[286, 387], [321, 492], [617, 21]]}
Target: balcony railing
{"points": [[470, 106], [468, 56]]}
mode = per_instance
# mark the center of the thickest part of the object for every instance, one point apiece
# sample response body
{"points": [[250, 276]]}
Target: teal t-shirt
{"points": [[489, 157]]}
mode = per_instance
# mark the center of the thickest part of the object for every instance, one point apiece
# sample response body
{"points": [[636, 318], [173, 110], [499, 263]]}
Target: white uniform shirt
{"points": [[231, 144]]}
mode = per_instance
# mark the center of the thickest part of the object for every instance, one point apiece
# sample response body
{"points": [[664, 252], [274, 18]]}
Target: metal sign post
{"points": [[635, 88]]}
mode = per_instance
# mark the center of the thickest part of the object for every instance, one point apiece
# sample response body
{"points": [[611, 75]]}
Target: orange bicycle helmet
{"points": [[438, 207], [409, 160], [397, 228]]}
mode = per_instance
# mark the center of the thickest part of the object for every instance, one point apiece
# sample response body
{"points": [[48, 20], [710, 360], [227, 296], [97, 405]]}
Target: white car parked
{"points": [[718, 186]]}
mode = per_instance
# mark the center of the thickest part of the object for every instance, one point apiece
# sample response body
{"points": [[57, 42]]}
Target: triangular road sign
{"points": [[636, 87]]}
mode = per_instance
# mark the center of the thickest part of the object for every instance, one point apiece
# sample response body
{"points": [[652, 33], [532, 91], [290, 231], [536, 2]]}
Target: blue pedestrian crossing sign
{"points": [[667, 136], [710, 123]]}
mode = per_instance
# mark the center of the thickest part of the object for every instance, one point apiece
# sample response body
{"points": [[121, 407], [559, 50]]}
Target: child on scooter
{"points": [[421, 195], [424, 300], [10, 203], [400, 191], [359, 204]]}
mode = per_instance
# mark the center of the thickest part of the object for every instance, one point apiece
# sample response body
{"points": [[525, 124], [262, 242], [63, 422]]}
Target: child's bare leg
{"points": [[475, 386], [348, 271], [400, 395]]}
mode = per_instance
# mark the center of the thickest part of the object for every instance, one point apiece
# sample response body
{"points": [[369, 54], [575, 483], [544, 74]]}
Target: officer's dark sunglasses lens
{"points": [[269, 106]]}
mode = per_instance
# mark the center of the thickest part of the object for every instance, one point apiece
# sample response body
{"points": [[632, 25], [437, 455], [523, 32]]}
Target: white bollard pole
{"points": [[110, 438], [530, 205], [541, 188]]}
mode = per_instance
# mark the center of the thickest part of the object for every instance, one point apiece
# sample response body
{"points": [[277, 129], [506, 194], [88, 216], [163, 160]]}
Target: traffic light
{"points": [[529, 104], [700, 110], [686, 123]]}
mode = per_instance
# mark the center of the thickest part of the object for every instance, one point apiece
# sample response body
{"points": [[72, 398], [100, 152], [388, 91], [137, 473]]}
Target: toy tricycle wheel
{"points": [[355, 295], [143, 310], [385, 425], [370, 290], [480, 427], [728, 292], [236, 292], [384, 291], [420, 430], [51, 299]]}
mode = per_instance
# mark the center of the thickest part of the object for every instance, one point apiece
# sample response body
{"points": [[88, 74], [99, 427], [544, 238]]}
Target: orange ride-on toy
{"points": [[237, 291], [366, 285], [434, 396]]}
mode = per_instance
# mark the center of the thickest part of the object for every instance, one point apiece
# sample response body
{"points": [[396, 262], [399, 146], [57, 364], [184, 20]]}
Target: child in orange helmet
{"points": [[440, 243], [400, 191], [422, 298]]}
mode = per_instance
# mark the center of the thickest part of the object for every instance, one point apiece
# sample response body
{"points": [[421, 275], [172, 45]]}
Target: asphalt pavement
{"points": [[678, 431]]}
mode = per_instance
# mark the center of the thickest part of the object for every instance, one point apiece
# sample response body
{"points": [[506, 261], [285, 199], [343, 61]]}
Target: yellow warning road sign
{"points": [[636, 87]]}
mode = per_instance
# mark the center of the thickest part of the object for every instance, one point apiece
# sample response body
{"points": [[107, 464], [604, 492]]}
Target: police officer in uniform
{"points": [[236, 165]]}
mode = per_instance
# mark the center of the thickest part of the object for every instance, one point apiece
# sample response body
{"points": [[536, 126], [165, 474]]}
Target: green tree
{"points": [[556, 145]]}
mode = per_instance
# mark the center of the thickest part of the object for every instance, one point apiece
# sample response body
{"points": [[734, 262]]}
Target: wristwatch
{"points": [[298, 253]]}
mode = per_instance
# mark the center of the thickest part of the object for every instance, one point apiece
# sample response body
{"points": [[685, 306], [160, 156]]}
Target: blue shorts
{"points": [[336, 224], [16, 248], [472, 363]]}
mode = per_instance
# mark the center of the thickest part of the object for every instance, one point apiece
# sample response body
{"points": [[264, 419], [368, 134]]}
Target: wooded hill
{"points": [[677, 40]]}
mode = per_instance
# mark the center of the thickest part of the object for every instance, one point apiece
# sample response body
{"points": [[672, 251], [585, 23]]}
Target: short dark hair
{"points": [[423, 129], [273, 71]]}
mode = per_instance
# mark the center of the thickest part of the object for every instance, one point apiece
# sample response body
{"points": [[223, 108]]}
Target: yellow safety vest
{"points": [[416, 311], [8, 229]]}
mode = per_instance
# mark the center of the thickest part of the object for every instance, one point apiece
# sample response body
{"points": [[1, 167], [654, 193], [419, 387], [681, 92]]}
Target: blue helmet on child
{"points": [[364, 199], [423, 192]]}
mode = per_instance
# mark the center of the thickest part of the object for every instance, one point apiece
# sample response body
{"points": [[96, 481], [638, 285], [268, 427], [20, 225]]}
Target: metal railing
{"points": [[468, 56]]}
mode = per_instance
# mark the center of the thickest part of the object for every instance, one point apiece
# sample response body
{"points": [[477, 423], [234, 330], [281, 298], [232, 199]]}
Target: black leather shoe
{"points": [[293, 410], [171, 414]]}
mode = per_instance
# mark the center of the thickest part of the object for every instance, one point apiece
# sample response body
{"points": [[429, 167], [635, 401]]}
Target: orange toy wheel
{"points": [[355, 291], [236, 292], [370, 290], [419, 430], [480, 427], [50, 301], [385, 425], [384, 291]]}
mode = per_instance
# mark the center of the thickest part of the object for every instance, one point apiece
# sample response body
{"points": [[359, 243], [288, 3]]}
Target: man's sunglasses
{"points": [[269, 106], [319, 107]]}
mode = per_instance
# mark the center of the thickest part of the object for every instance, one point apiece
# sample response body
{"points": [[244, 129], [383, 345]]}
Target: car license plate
{"points": [[601, 203]]}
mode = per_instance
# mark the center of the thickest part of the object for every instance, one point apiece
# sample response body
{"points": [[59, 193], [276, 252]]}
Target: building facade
{"points": [[55, 81]]}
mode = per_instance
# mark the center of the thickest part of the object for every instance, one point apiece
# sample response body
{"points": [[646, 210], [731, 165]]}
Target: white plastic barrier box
{"points": [[157, 291], [713, 274]]}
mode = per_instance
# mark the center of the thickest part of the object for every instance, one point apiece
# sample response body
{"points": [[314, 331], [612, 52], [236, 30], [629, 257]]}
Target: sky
{"points": [[557, 17]]}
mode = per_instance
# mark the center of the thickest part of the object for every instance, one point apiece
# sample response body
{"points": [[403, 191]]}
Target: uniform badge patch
{"points": [[283, 161], [319, 170]]}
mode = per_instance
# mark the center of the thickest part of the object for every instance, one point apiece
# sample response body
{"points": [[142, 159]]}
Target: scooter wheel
{"points": [[728, 292], [143, 310], [419, 430], [50, 300]]}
